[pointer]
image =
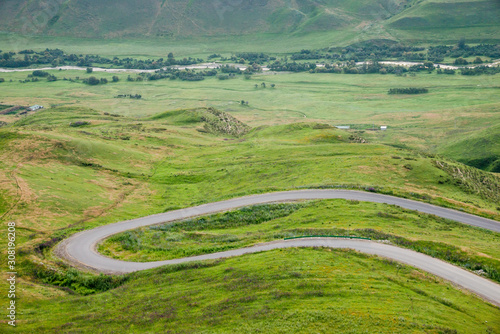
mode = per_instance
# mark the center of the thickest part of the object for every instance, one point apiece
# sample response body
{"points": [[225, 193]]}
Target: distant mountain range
{"points": [[184, 18]]}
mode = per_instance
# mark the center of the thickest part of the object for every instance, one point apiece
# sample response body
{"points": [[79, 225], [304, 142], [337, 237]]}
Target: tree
{"points": [[478, 60], [461, 61], [263, 85], [93, 81], [115, 78], [429, 65], [104, 80], [90, 70], [461, 43], [256, 86]]}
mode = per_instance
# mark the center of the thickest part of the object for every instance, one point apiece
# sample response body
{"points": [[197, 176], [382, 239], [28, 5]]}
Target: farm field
{"points": [[455, 107]]}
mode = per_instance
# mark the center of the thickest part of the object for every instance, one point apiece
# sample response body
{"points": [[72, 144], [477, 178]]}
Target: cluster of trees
{"points": [[411, 90], [93, 81], [57, 57], [292, 67], [438, 53], [135, 96], [350, 68], [462, 61], [38, 73], [226, 76], [373, 51], [479, 70], [445, 71], [230, 69], [359, 53], [252, 57]]}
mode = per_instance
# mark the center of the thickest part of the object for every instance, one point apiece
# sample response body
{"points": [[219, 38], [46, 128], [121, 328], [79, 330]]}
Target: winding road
{"points": [[80, 249]]}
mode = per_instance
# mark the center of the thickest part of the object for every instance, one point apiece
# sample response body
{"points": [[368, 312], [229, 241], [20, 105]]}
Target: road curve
{"points": [[80, 249]]}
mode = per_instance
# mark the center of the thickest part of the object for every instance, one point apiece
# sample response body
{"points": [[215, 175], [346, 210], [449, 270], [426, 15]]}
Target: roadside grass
{"points": [[469, 247], [281, 291]]}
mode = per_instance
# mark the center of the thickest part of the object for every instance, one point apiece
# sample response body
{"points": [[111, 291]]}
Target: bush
{"points": [[92, 81], [408, 91], [78, 124], [38, 73]]}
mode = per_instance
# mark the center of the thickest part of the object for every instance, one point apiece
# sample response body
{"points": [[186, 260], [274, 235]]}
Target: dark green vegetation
{"points": [[57, 57], [408, 91], [287, 291]]}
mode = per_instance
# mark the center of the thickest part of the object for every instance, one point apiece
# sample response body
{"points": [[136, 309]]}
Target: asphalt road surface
{"points": [[80, 249]]}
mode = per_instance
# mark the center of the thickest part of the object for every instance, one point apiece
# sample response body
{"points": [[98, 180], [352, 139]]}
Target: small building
{"points": [[383, 127], [35, 107], [343, 127]]}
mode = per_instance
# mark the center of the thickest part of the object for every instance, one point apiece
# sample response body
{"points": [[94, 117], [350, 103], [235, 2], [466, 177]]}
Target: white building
{"points": [[35, 107], [383, 127]]}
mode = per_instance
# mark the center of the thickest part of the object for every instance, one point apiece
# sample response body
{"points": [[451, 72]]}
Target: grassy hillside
{"points": [[456, 106], [480, 149], [284, 291], [253, 24], [59, 179], [91, 18]]}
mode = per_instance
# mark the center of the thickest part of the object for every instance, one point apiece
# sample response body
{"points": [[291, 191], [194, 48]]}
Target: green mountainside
{"points": [[180, 18]]}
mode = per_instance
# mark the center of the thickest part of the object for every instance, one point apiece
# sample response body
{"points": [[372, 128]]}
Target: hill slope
{"points": [[116, 18], [341, 20]]}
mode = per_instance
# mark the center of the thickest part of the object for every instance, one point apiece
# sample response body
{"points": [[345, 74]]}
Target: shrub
{"points": [[78, 124], [411, 90], [38, 73]]}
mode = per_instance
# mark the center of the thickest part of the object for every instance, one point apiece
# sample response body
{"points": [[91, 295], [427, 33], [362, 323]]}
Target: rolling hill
{"points": [[179, 18]]}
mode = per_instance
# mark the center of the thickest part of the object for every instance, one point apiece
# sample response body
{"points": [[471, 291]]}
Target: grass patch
{"points": [[344, 292]]}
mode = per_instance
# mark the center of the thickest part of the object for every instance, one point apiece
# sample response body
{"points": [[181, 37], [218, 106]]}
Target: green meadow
{"points": [[284, 291], [455, 107]]}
